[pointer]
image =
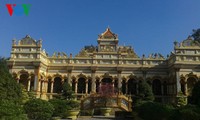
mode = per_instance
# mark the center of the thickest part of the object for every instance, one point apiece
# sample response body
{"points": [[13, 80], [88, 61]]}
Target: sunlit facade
{"points": [[107, 62]]}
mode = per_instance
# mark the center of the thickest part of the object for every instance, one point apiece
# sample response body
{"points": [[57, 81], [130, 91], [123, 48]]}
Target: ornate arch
{"points": [[81, 76]]}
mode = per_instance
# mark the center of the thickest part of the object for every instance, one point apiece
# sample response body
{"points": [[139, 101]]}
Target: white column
{"points": [[119, 80], [39, 85], [52, 84], [178, 86], [76, 84], [93, 82], [29, 84], [69, 80], [86, 86]]}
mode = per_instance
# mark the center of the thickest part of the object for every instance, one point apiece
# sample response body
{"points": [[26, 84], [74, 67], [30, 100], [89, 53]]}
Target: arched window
{"points": [[57, 87], [106, 80], [81, 85], [124, 86], [24, 80], [156, 87], [190, 84], [132, 86], [183, 90]]}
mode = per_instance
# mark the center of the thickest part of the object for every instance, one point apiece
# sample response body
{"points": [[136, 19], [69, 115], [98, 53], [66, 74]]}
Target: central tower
{"points": [[107, 41]]}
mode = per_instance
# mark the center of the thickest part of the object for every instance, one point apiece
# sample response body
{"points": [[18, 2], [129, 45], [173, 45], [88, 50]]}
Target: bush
{"points": [[60, 106], [72, 104], [188, 112], [11, 111], [154, 111], [38, 109]]}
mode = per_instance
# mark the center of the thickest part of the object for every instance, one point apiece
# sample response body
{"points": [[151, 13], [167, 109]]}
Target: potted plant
{"points": [[73, 105], [106, 91]]}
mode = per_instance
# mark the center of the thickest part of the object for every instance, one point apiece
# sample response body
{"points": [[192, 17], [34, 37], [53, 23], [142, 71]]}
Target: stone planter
{"points": [[72, 114], [105, 111]]}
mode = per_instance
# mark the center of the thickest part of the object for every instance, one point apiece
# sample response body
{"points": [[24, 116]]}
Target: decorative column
{"points": [[178, 86], [36, 81], [69, 80], [52, 84], [29, 84], [86, 86], [119, 76], [76, 86], [186, 89], [93, 82]]}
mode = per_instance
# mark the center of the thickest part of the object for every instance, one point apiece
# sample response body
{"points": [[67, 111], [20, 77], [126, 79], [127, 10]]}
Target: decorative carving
{"points": [[82, 53]]}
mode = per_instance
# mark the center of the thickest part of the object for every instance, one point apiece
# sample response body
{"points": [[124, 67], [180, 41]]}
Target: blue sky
{"points": [[68, 25]]}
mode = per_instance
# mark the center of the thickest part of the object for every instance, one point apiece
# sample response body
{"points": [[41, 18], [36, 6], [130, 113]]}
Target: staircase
{"points": [[115, 101]]}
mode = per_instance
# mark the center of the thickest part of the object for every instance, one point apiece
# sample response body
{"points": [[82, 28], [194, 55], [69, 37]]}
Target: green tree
{"points": [[145, 91], [60, 106], [38, 109], [10, 95], [9, 88], [67, 91]]}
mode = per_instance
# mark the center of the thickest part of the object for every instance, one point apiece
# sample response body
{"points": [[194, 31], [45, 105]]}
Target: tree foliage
{"points": [[67, 91], [38, 109], [145, 91], [60, 106], [10, 95], [9, 88]]}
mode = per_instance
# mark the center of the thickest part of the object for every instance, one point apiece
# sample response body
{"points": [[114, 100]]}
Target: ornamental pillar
{"points": [[29, 84], [76, 86], [178, 86], [93, 82], [119, 80], [52, 84], [69, 80], [86, 86]]}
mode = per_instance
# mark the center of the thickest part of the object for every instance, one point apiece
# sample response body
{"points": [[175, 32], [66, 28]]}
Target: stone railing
{"points": [[116, 101]]}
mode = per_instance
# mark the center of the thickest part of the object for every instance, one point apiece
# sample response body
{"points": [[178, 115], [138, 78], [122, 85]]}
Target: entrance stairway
{"points": [[95, 100]]}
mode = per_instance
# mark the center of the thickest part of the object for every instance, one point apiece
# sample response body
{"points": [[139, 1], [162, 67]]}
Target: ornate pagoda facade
{"points": [[107, 62]]}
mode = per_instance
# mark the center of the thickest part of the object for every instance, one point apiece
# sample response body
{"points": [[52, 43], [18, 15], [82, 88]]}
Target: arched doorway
{"points": [[57, 87], [156, 87], [124, 86], [81, 85], [191, 81], [132, 86], [106, 80], [183, 90], [24, 80]]}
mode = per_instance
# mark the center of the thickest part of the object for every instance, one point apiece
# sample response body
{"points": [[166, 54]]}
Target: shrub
{"points": [[11, 111], [154, 111], [60, 106], [38, 109]]}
